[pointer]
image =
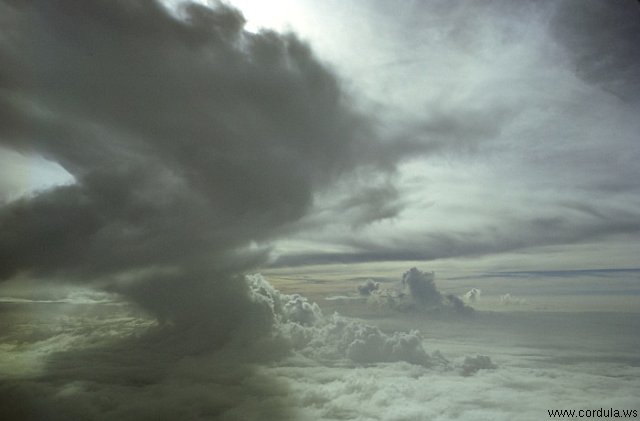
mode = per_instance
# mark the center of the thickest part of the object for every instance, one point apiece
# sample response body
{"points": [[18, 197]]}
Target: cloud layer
{"points": [[508, 120], [545, 361]]}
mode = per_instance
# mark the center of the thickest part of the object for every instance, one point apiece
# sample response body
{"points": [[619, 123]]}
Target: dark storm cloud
{"points": [[188, 139], [601, 38], [418, 292], [421, 287]]}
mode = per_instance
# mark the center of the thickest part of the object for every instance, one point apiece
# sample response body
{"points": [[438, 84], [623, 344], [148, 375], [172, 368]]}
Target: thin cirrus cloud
{"points": [[514, 128]]}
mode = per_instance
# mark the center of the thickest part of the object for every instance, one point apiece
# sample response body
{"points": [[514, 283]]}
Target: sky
{"points": [[497, 134], [155, 155], [519, 122]]}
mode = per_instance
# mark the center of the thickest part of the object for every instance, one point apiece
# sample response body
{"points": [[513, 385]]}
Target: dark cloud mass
{"points": [[601, 38], [189, 139], [421, 287], [416, 293]]}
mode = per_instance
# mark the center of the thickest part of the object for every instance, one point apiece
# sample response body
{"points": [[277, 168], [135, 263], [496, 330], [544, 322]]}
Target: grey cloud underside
{"points": [[601, 38], [188, 139], [510, 235]]}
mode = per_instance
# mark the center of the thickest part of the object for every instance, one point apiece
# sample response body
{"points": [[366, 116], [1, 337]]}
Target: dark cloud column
{"points": [[188, 139]]}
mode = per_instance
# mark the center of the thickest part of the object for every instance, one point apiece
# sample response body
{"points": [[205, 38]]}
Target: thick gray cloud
{"points": [[601, 38], [415, 293], [189, 141], [421, 287]]}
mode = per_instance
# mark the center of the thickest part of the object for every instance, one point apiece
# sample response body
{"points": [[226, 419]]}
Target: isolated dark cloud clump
{"points": [[421, 287], [417, 292]]}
